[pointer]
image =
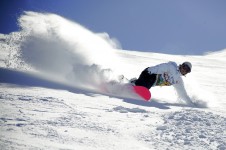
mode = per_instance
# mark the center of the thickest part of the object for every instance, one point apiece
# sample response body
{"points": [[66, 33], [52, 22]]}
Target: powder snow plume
{"points": [[59, 48]]}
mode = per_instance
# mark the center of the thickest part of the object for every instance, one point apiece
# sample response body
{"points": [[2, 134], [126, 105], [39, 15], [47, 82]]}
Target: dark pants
{"points": [[146, 79]]}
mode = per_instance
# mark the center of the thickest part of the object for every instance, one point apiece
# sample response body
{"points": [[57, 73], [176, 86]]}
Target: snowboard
{"points": [[143, 92]]}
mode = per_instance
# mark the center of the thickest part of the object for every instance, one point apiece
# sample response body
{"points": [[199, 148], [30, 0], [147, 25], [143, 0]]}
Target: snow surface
{"points": [[59, 89]]}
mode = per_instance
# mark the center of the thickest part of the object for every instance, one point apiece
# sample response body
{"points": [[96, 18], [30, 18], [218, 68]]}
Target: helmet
{"points": [[188, 64]]}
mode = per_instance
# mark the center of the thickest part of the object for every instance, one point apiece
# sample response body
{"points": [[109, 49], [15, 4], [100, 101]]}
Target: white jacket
{"points": [[167, 74]]}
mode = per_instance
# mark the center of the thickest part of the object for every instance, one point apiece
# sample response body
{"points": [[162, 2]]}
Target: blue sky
{"points": [[162, 26]]}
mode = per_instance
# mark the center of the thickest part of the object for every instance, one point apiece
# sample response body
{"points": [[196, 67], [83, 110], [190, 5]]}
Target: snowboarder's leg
{"points": [[146, 79]]}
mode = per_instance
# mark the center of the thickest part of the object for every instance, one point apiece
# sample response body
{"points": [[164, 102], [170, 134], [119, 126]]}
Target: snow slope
{"points": [[58, 91]]}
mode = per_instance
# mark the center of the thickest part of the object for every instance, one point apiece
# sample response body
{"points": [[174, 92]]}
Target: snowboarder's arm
{"points": [[181, 92]]}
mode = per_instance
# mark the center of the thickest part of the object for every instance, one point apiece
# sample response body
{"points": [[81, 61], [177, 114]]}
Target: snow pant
{"points": [[146, 79]]}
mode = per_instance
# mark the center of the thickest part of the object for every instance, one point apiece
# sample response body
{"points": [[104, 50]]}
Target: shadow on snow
{"points": [[19, 78]]}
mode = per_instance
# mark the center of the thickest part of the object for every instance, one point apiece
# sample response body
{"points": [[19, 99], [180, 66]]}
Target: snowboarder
{"points": [[164, 74]]}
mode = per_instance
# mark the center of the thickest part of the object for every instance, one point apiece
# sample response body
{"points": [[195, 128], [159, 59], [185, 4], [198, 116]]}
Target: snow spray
{"points": [[59, 48]]}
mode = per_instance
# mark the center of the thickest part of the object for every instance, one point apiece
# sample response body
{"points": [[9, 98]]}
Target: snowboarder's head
{"points": [[185, 68]]}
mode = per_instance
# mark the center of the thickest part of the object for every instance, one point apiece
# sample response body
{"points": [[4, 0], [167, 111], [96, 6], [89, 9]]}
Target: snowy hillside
{"points": [[56, 93]]}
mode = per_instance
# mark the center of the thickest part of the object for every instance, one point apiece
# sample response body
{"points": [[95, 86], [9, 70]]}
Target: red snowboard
{"points": [[143, 92]]}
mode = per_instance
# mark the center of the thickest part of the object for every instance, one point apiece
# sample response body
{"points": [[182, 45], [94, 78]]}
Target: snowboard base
{"points": [[143, 92]]}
